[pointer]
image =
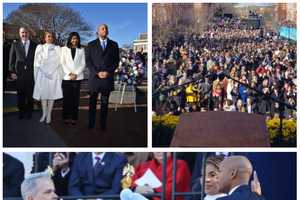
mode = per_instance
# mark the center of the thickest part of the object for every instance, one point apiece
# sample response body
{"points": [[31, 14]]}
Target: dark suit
{"points": [[242, 193], [61, 183], [22, 65], [13, 176], [99, 60], [106, 180]]}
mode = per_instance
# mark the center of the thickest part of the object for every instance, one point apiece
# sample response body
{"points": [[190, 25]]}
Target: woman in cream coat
{"points": [[73, 63], [47, 75]]}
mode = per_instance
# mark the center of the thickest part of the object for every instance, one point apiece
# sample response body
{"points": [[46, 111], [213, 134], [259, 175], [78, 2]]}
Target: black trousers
{"points": [[103, 110], [71, 93], [25, 100]]}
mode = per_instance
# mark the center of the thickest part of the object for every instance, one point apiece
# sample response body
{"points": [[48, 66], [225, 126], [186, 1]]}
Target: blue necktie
{"points": [[103, 44]]}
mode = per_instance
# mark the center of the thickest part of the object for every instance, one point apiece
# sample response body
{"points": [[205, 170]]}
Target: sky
{"points": [[125, 20]]}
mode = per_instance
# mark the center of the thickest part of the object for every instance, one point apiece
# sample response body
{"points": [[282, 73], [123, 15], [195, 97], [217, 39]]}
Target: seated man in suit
{"points": [[234, 177], [96, 174], [13, 175], [38, 186]]}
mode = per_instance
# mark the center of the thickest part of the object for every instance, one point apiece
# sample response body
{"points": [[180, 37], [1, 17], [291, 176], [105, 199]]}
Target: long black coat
{"points": [[98, 60], [18, 61]]}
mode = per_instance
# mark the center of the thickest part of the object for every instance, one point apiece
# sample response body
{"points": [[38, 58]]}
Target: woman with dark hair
{"points": [[73, 64], [212, 171], [47, 75]]}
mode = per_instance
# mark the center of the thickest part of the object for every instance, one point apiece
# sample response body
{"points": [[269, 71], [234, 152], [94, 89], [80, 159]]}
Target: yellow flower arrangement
{"points": [[169, 121], [289, 128]]}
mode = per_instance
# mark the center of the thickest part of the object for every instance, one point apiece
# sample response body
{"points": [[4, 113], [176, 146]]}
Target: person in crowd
{"points": [[252, 60], [183, 176], [38, 186], [234, 178], [13, 176], [61, 166], [102, 59], [73, 64], [212, 171], [21, 61], [136, 158], [47, 75], [211, 178], [96, 173]]}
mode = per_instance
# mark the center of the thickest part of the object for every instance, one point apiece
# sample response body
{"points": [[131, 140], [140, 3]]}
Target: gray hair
{"points": [[105, 25], [23, 27], [29, 185]]}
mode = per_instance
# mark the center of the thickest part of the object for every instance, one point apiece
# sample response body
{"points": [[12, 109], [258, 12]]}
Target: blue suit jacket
{"points": [[83, 180], [13, 176], [242, 193]]}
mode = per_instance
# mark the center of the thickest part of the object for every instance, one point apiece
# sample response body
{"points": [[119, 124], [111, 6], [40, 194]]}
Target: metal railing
{"points": [[174, 173]]}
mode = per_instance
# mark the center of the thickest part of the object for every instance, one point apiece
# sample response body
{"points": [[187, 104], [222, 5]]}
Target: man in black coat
{"points": [[13, 176], [21, 61], [234, 177], [102, 58]]}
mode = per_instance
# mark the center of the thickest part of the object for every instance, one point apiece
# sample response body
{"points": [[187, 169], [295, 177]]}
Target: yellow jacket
{"points": [[191, 93]]}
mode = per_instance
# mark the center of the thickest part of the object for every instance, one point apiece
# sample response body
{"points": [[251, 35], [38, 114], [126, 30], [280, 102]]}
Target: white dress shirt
{"points": [[214, 197], [26, 44], [105, 42], [64, 171], [233, 189], [101, 155]]}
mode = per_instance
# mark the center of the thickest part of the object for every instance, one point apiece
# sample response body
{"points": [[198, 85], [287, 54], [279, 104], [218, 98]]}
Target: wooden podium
{"points": [[221, 129]]}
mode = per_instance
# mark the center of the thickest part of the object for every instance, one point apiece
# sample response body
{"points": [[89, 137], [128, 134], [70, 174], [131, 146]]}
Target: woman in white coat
{"points": [[47, 75], [73, 64]]}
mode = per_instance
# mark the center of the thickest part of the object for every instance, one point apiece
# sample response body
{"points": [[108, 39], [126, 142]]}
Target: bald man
{"points": [[234, 177], [102, 59]]}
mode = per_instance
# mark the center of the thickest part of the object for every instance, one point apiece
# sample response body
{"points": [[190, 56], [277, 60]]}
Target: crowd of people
{"points": [[227, 67], [47, 72], [102, 173], [132, 69]]}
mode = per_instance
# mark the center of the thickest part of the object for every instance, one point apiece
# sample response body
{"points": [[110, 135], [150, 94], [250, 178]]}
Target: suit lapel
{"points": [[70, 55], [107, 45], [76, 56], [30, 49], [90, 166], [99, 47], [105, 161]]}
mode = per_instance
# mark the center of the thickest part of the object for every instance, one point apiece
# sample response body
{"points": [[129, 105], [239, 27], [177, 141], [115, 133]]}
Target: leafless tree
{"points": [[57, 18]]}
